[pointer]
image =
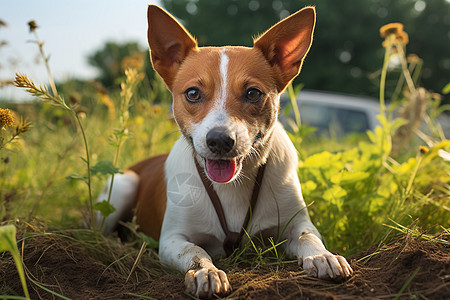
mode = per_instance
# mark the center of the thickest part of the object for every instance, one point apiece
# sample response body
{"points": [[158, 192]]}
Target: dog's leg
{"points": [[303, 239], [123, 198], [305, 243], [202, 278]]}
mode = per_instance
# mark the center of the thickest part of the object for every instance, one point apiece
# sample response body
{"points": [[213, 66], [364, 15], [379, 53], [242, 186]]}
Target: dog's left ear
{"points": [[286, 44]]}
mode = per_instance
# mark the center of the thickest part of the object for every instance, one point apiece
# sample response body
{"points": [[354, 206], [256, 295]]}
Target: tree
{"points": [[113, 58], [347, 47]]}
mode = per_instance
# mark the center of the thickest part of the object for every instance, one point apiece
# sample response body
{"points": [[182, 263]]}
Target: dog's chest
{"points": [[235, 200]]}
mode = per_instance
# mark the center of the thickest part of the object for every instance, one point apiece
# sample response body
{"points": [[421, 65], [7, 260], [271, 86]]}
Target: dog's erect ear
{"points": [[169, 43], [286, 44]]}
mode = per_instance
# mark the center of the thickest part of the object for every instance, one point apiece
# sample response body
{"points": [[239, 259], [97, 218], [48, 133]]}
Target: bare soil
{"points": [[408, 267]]}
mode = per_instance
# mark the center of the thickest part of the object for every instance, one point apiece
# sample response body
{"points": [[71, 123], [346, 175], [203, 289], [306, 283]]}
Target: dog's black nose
{"points": [[219, 141]]}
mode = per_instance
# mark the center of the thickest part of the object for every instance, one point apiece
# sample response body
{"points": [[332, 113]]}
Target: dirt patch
{"points": [[379, 273], [77, 271]]}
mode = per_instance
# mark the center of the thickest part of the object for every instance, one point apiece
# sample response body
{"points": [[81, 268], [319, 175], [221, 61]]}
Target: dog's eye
{"points": [[253, 95], [193, 94]]}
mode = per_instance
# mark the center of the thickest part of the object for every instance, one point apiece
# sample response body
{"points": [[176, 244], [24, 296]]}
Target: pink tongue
{"points": [[221, 170]]}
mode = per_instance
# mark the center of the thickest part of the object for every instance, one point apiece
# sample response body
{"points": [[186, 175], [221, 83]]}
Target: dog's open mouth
{"points": [[221, 171]]}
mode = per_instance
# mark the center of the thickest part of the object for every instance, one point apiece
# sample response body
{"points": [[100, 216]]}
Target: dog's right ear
{"points": [[169, 43]]}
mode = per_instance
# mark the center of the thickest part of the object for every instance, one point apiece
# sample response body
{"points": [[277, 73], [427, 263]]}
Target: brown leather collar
{"points": [[232, 239]]}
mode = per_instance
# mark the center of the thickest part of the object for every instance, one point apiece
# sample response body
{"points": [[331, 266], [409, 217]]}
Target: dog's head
{"points": [[226, 99]]}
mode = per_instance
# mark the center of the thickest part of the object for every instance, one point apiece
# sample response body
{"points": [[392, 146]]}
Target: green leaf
{"points": [[84, 159], [318, 160], [151, 242], [397, 123], [387, 189], [8, 243], [446, 89], [334, 193], [76, 177], [308, 187], [7, 237], [105, 208], [346, 177], [123, 132], [105, 167]]}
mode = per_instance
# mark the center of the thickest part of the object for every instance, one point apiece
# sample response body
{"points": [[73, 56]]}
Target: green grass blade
{"points": [[407, 283], [289, 222], [8, 243], [48, 290], [141, 296]]}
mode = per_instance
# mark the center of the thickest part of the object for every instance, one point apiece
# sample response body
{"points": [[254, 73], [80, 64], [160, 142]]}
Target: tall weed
{"points": [[358, 190]]}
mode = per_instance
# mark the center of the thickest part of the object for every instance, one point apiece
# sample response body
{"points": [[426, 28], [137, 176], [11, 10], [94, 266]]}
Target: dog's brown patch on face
{"points": [[199, 70], [249, 69], [246, 68]]}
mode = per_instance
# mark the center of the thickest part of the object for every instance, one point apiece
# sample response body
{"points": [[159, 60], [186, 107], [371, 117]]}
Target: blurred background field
{"points": [[355, 183]]}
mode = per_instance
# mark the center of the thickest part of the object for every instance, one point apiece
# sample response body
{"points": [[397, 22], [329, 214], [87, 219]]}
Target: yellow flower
{"points": [[136, 61], [156, 109], [6, 118], [402, 37], [393, 33], [391, 28], [413, 58], [423, 149], [32, 25]]}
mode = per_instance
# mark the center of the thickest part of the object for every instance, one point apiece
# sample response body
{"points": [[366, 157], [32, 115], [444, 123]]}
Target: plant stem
{"points": [[383, 78], [116, 158], [88, 163], [417, 71], [43, 94], [293, 99], [413, 175], [126, 94], [47, 66], [405, 70]]}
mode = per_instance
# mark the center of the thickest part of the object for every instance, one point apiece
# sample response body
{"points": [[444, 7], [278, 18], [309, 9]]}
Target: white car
{"points": [[333, 114]]}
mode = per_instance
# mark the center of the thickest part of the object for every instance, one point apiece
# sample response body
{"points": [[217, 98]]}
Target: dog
{"points": [[200, 197]]}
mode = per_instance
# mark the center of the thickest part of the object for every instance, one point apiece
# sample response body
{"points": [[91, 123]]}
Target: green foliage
{"points": [[104, 207], [8, 243], [43, 94], [50, 153], [151, 242], [105, 167], [354, 192], [346, 50], [109, 61], [446, 89]]}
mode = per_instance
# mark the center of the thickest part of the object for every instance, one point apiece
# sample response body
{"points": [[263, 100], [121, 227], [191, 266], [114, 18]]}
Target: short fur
{"points": [[171, 202]]}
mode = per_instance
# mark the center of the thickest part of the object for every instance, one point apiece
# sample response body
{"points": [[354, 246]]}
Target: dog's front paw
{"points": [[326, 266], [205, 283]]}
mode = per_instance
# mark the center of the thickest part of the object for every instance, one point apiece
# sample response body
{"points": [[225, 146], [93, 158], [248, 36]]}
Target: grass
{"points": [[8, 243], [353, 187]]}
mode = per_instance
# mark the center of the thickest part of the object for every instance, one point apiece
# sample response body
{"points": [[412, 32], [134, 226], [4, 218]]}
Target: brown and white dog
{"points": [[225, 102]]}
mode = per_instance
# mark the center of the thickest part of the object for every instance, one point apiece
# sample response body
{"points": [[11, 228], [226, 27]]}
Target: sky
{"points": [[70, 29]]}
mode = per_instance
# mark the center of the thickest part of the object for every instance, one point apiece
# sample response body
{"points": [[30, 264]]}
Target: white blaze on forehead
{"points": [[223, 79], [218, 117]]}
